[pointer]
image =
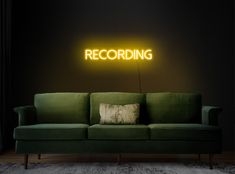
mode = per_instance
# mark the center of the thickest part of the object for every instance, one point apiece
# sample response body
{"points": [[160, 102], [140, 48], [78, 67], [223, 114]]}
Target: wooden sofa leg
{"points": [[211, 160], [199, 157], [119, 158], [26, 156], [39, 156]]}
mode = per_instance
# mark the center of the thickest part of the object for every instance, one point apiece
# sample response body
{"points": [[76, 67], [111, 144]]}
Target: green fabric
{"points": [[51, 132], [194, 132], [154, 138], [173, 107], [26, 115], [62, 107], [116, 98], [118, 132], [210, 115], [120, 146]]}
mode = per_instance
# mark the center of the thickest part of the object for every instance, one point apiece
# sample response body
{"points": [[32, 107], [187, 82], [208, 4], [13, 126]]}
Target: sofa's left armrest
{"points": [[26, 115], [210, 115]]}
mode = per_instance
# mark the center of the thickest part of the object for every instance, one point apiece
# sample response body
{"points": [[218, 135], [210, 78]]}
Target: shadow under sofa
{"points": [[169, 123]]}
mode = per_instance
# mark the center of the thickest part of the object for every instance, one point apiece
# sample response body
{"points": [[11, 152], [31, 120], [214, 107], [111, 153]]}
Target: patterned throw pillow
{"points": [[119, 114]]}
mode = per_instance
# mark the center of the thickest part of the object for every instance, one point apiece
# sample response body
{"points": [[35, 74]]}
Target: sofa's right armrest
{"points": [[26, 115], [210, 115]]}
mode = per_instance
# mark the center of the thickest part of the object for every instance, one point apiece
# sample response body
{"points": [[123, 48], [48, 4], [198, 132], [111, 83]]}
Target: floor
{"points": [[12, 157]]}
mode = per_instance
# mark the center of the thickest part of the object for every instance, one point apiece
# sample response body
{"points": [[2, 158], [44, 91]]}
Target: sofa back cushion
{"points": [[115, 98], [62, 107], [169, 107]]}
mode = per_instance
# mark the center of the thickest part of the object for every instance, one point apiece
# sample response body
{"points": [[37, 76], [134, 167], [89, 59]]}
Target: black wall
{"points": [[193, 42]]}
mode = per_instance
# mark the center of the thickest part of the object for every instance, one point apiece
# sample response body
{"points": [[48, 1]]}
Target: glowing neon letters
{"points": [[118, 54]]}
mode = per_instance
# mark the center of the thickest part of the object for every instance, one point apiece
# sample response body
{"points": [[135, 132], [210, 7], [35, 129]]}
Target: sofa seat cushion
{"points": [[51, 132], [118, 132], [197, 132]]}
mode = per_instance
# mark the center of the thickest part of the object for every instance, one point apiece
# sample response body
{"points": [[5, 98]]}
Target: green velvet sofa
{"points": [[69, 123]]}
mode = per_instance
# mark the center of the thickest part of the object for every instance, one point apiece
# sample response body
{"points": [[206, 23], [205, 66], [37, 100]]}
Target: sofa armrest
{"points": [[210, 115], [26, 115]]}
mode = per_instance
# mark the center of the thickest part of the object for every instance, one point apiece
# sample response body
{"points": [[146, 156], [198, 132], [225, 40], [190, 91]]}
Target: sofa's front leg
{"points": [[199, 157], [26, 156], [119, 158], [211, 160], [39, 156]]}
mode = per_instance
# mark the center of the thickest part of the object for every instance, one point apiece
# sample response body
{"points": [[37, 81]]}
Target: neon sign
{"points": [[118, 54]]}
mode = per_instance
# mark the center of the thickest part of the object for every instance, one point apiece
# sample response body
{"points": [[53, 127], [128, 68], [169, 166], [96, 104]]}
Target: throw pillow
{"points": [[119, 114]]}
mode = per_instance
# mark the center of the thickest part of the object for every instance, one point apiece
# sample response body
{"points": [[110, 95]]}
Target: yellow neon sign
{"points": [[118, 54]]}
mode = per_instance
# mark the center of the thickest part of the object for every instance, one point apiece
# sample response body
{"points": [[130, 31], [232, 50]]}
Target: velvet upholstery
{"points": [[51, 132], [169, 123], [169, 107], [210, 115], [185, 132], [118, 132], [119, 146], [26, 115], [62, 107]]}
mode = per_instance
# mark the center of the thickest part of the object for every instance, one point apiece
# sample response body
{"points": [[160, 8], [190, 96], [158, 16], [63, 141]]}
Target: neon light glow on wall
{"points": [[118, 54], [114, 53]]}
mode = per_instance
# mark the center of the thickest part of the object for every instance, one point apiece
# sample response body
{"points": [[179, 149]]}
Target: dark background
{"points": [[194, 43]]}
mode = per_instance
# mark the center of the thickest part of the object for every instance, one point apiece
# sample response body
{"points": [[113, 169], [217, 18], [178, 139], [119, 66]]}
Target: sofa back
{"points": [[62, 107], [121, 98], [169, 107]]}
